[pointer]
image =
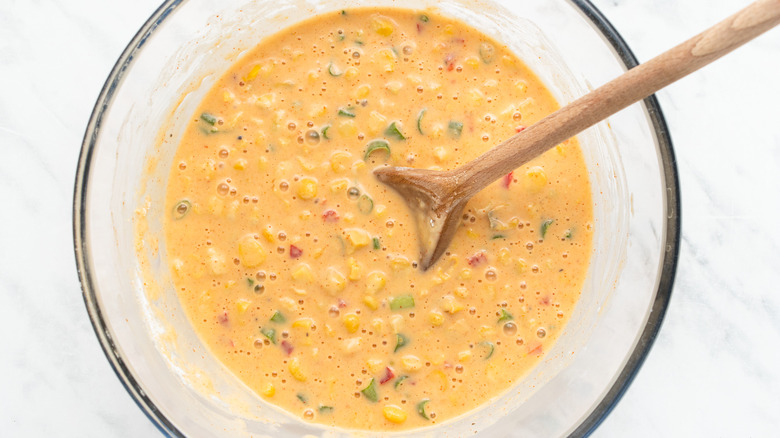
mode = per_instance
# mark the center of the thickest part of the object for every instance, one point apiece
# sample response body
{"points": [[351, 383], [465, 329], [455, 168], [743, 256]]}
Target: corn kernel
{"points": [[464, 356], [472, 234], [228, 96], [487, 332], [521, 85], [436, 318], [394, 414], [382, 25], [305, 164], [335, 281], [378, 324], [375, 365], [472, 61], [303, 323], [339, 161], [449, 29], [317, 110], [351, 345], [521, 265], [355, 270], [347, 128], [440, 154], [339, 185], [451, 304], [252, 73], [303, 273], [400, 262], [375, 281], [266, 100], [296, 370], [351, 322], [240, 164], [268, 234], [250, 251], [351, 73], [465, 274], [307, 188], [380, 209], [362, 91], [376, 123], [504, 256], [461, 292], [476, 95], [268, 389], [262, 163], [394, 86], [371, 302], [313, 76], [411, 363], [242, 305], [536, 178], [356, 238], [288, 304], [397, 323]]}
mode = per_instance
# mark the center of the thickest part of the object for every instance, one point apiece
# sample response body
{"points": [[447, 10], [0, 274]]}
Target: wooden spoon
{"points": [[437, 198]]}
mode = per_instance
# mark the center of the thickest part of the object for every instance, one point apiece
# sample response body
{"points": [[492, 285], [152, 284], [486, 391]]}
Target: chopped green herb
{"points": [[250, 281], [325, 132], [497, 236], [324, 409], [401, 302], [359, 42], [270, 334], [278, 318], [487, 52], [489, 348], [347, 112], [302, 398], [365, 204], [567, 234], [545, 225], [377, 244], [400, 341], [369, 391], [455, 128], [342, 37], [334, 71], [181, 209], [505, 316], [399, 380], [376, 145], [421, 408], [419, 120], [209, 118], [394, 131], [424, 18], [343, 12]]}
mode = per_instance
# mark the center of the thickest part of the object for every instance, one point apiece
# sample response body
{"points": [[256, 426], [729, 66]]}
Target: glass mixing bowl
{"points": [[129, 145]]}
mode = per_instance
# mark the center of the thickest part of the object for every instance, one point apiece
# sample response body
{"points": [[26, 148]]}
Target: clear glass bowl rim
{"points": [[665, 280]]}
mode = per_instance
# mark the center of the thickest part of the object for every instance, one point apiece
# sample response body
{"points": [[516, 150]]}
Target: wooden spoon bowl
{"points": [[437, 198]]}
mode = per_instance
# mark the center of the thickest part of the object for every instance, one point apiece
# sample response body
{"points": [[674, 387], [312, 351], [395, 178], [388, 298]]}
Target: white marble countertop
{"points": [[714, 369]]}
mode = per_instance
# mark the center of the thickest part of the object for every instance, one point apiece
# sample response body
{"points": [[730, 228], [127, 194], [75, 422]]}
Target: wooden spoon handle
{"points": [[628, 88]]}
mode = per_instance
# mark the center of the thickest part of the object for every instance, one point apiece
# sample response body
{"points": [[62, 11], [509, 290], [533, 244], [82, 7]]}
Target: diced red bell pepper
{"points": [[508, 178], [287, 347], [389, 374], [295, 252], [477, 259], [330, 216]]}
